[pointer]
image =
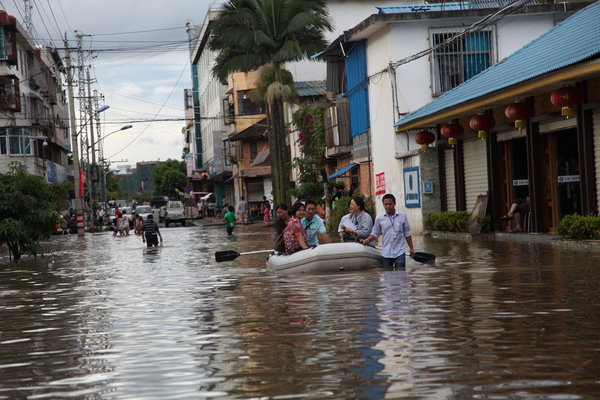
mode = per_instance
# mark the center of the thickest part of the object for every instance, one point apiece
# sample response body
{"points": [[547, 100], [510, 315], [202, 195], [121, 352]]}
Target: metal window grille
{"points": [[460, 59]]}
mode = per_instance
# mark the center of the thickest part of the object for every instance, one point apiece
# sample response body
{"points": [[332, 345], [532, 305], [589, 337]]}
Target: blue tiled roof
{"points": [[310, 88], [412, 8], [574, 40]]}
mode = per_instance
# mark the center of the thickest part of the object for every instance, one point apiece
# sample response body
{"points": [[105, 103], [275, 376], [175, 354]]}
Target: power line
{"points": [[158, 112]]}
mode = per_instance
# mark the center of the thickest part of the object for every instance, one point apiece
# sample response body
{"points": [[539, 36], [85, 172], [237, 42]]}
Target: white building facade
{"points": [[398, 33], [33, 109]]}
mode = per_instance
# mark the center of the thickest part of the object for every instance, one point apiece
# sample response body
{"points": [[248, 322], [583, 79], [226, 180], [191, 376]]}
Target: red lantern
{"points": [[567, 98], [518, 112], [482, 123], [424, 138], [452, 132]]}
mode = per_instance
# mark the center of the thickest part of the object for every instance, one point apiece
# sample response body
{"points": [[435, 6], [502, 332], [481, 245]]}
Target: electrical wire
{"points": [[156, 115]]}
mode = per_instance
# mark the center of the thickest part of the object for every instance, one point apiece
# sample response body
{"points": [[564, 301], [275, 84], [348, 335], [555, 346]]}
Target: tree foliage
{"points": [[28, 210], [249, 34], [113, 186], [169, 178]]}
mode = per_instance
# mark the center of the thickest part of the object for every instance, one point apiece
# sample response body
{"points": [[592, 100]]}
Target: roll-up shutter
{"points": [[476, 179], [450, 186], [596, 124], [559, 124]]}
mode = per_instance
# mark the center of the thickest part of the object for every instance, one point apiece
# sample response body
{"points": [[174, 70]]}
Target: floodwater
{"points": [[102, 318]]}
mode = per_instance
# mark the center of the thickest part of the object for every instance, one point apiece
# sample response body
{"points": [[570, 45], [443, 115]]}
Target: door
{"points": [[514, 172], [561, 166]]}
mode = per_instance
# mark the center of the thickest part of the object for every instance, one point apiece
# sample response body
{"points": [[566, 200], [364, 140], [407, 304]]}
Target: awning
{"points": [[255, 131], [261, 157], [341, 171], [34, 96]]}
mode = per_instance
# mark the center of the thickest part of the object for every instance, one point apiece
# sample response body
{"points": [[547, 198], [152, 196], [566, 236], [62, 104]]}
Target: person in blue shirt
{"points": [[313, 225], [394, 228]]}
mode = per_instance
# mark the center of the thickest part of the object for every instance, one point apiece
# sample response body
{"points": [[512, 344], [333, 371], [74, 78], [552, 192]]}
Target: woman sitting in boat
{"points": [[294, 235], [361, 219]]}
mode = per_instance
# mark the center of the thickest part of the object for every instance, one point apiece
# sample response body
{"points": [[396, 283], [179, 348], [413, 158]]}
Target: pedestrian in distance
{"points": [[151, 232], [395, 229], [243, 210], [230, 220], [316, 233]]}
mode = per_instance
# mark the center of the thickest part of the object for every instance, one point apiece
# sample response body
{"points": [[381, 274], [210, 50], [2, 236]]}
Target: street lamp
{"points": [[123, 128], [102, 177]]}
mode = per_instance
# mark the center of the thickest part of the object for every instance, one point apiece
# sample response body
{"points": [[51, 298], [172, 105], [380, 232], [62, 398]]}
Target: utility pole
{"points": [[92, 165], [76, 167]]}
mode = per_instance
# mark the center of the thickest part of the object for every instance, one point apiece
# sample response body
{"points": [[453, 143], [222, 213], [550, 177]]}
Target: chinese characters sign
{"points": [[380, 184]]}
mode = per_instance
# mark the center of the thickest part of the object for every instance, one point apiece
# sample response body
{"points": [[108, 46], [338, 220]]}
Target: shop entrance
{"points": [[515, 175], [561, 167]]}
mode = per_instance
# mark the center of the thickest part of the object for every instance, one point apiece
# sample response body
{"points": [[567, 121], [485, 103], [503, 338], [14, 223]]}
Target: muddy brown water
{"points": [[103, 318]]}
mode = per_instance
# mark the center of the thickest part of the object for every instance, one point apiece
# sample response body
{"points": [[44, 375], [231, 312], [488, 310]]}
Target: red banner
{"points": [[380, 184], [82, 181]]}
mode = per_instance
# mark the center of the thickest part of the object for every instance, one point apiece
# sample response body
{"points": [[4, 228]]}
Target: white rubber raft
{"points": [[330, 257]]}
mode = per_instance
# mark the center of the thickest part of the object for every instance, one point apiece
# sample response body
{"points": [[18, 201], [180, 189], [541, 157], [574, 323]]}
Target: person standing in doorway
{"points": [[229, 220], [313, 224], [243, 210], [394, 228]]}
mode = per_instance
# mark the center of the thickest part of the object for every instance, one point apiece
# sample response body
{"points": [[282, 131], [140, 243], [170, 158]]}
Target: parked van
{"points": [[175, 213]]}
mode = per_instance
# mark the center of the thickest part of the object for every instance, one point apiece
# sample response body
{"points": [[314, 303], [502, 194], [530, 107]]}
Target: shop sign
{"points": [[412, 187], [380, 184], [568, 178], [520, 182]]}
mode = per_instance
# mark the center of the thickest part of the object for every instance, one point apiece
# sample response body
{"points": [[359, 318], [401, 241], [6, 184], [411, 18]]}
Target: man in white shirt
{"points": [[243, 210], [394, 228], [313, 224]]}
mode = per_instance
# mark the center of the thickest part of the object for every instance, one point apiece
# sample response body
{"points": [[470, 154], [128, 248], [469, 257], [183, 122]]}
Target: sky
{"points": [[140, 63]]}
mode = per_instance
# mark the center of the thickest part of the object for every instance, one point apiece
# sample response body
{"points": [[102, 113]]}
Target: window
{"points": [[8, 47], [9, 93], [459, 60], [247, 107], [15, 141], [253, 150]]}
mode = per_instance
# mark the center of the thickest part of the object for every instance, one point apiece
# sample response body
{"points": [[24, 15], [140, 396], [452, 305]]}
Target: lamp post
{"points": [[92, 168], [102, 177]]}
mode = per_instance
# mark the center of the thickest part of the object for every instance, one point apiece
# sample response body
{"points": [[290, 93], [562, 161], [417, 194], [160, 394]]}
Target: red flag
{"points": [[82, 181]]}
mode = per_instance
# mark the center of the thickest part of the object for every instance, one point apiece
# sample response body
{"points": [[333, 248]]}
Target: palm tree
{"points": [[264, 35]]}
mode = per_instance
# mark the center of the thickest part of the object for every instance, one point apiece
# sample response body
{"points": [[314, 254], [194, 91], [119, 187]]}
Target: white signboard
{"points": [[568, 178], [520, 182], [412, 187]]}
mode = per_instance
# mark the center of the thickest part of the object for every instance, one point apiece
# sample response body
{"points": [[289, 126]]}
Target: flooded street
{"points": [[110, 320]]}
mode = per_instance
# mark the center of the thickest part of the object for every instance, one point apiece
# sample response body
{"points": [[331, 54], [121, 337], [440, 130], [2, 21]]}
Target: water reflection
{"points": [[110, 319]]}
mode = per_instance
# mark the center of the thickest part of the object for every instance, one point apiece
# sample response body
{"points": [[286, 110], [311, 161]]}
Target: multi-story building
{"points": [[210, 128], [403, 57], [33, 110], [544, 141]]}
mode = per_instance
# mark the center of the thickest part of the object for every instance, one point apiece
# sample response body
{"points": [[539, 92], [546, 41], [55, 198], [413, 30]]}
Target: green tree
{"points": [[113, 186], [169, 177], [28, 210], [267, 34]]}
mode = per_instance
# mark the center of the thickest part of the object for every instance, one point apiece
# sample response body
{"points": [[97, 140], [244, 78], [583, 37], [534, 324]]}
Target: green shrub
{"points": [[448, 221], [579, 227]]}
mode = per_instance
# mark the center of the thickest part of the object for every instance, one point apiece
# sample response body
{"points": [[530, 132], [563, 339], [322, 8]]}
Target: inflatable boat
{"points": [[330, 257]]}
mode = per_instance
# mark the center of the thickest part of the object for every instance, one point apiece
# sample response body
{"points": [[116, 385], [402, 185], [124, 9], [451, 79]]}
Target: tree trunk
{"points": [[15, 250], [280, 165]]}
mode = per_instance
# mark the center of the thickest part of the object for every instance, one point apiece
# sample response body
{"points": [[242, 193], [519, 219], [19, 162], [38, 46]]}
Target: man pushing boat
{"points": [[394, 228]]}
